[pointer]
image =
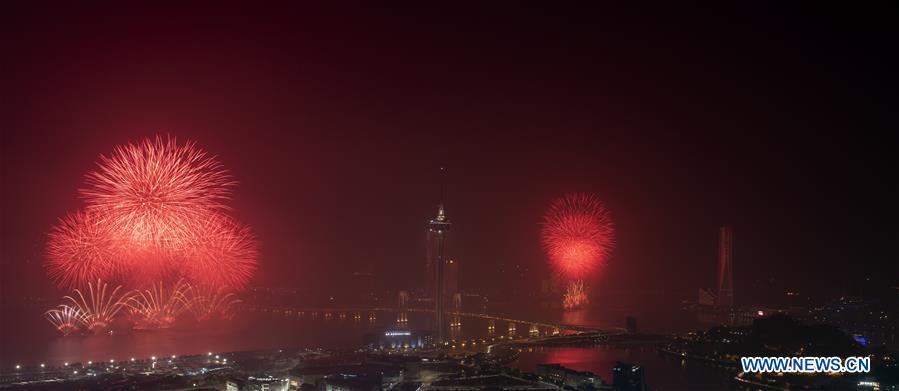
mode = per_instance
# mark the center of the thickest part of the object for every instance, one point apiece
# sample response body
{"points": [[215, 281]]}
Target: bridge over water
{"points": [[534, 327]]}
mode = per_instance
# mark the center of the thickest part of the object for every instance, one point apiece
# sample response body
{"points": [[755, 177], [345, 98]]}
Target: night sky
{"points": [[778, 122]]}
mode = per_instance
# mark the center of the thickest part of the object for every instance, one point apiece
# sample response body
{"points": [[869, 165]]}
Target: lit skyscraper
{"points": [[725, 267], [438, 228]]}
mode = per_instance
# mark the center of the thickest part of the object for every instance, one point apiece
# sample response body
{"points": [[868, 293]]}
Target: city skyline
{"points": [[798, 182], [431, 197]]}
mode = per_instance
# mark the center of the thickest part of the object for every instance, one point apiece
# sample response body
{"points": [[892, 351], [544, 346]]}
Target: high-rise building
{"points": [[725, 267], [631, 323], [438, 228]]}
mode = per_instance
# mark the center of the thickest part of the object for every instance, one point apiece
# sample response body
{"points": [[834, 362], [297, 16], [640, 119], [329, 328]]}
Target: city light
{"points": [[18, 366]]}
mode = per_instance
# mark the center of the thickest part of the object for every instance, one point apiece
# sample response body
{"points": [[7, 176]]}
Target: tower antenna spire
{"points": [[443, 185]]}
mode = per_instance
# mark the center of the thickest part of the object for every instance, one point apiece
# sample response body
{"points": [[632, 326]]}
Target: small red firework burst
{"points": [[66, 319], [577, 235], [161, 305], [99, 307], [210, 303], [575, 295]]}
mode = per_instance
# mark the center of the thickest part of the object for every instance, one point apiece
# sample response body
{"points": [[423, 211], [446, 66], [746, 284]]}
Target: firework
{"points": [[82, 248], [220, 254], [160, 306], [575, 295], [577, 235], [155, 212], [152, 192], [66, 319], [98, 308], [208, 303]]}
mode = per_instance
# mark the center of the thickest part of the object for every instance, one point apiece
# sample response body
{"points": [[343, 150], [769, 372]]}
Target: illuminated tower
{"points": [[438, 228], [725, 267]]}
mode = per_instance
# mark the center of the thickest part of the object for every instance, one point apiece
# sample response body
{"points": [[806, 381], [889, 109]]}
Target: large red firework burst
{"points": [[155, 211], [578, 235], [152, 192]]}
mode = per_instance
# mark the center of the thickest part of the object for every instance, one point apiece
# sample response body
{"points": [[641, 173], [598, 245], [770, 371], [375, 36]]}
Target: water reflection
{"points": [[662, 372], [575, 317]]}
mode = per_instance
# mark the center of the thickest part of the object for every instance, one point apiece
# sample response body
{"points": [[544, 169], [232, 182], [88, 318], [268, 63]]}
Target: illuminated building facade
{"points": [[401, 339], [267, 383]]}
